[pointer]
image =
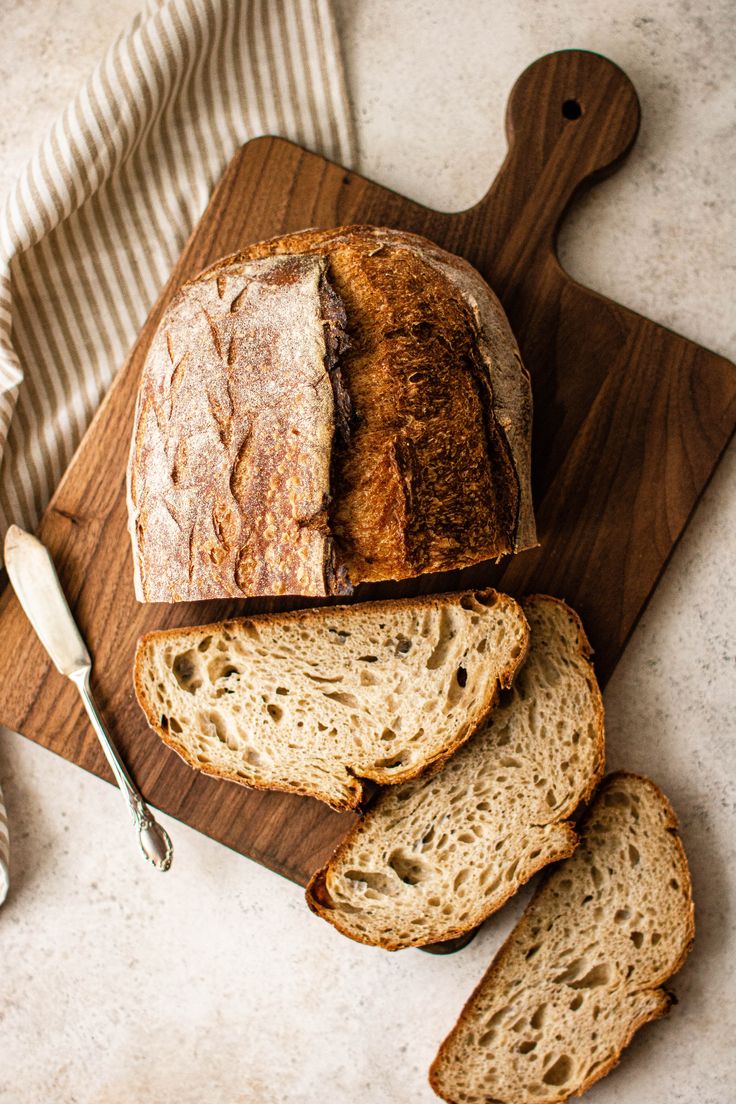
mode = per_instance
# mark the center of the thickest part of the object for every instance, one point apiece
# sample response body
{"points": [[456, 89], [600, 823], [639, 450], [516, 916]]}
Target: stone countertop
{"points": [[215, 983]]}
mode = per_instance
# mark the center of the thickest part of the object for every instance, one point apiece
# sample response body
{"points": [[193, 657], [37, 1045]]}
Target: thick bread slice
{"points": [[434, 857], [583, 968], [316, 700]]}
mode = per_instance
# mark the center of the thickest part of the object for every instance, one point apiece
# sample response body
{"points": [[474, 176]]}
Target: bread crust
{"points": [[316, 891], [416, 455], [357, 785], [316, 888], [664, 999], [230, 464]]}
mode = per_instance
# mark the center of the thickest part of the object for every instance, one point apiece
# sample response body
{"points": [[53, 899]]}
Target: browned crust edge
{"points": [[524, 535], [356, 786], [664, 998], [317, 882]]}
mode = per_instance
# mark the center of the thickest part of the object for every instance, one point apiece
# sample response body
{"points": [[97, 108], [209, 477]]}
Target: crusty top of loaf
{"points": [[230, 466], [406, 316], [274, 454]]}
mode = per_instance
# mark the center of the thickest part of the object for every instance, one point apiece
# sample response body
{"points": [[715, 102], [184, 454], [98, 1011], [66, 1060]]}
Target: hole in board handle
{"points": [[571, 109]]}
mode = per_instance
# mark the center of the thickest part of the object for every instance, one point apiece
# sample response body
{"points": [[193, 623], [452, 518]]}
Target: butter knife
{"points": [[33, 575]]}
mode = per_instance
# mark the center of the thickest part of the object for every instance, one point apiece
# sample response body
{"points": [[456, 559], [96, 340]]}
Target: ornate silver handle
{"points": [[153, 839], [33, 575]]}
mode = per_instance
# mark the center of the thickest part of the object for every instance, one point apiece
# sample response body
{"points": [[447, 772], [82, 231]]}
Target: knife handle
{"points": [[152, 838]]}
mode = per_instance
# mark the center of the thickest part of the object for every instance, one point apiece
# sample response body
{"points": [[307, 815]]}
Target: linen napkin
{"points": [[97, 219]]}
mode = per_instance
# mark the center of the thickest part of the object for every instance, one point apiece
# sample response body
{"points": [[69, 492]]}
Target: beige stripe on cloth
{"points": [[97, 219]]}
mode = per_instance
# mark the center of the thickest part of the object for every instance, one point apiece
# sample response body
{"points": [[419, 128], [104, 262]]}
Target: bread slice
{"points": [[583, 968], [434, 857], [315, 701]]}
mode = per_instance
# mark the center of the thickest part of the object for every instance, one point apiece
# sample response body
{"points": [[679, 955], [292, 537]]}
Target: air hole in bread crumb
{"points": [[343, 698], [637, 939], [633, 855], [217, 723], [174, 725], [576, 1002], [185, 670], [204, 644], [282, 691], [368, 659], [460, 878], [599, 975], [512, 870], [376, 883], [407, 867], [391, 763], [527, 1046], [274, 712], [656, 937], [559, 1072], [219, 670], [462, 677], [486, 598]]}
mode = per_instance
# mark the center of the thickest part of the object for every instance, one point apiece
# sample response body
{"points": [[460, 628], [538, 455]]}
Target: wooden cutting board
{"points": [[630, 420]]}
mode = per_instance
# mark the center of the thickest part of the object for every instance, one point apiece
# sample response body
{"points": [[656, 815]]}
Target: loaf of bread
{"points": [[583, 969], [316, 701], [432, 858], [325, 409]]}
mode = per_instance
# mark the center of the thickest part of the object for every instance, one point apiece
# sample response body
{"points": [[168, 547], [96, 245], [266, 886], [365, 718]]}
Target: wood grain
{"points": [[630, 420]]}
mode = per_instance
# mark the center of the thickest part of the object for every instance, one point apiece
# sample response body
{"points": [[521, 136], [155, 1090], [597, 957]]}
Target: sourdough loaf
{"points": [[434, 857], [316, 701], [324, 409], [583, 969]]}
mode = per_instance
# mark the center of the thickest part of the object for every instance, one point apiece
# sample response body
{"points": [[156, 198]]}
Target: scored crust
{"points": [[661, 998], [407, 450], [356, 785], [317, 894]]}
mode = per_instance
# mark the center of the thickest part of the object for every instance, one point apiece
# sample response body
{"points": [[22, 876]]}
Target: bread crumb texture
{"points": [[314, 701], [433, 857], [583, 969]]}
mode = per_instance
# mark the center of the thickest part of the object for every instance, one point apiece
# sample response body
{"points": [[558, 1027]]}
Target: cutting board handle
{"points": [[572, 117]]}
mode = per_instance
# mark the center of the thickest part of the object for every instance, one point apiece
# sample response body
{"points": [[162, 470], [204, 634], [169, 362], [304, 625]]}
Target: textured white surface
{"points": [[213, 983]]}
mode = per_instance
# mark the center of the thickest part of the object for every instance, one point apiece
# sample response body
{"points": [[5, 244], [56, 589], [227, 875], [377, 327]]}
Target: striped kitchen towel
{"points": [[4, 852], [97, 219]]}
